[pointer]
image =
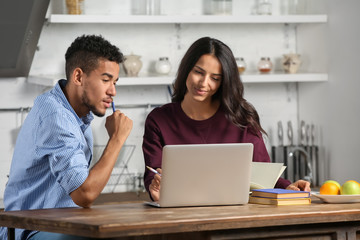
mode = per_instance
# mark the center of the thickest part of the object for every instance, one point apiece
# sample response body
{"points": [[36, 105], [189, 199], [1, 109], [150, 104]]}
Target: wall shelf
{"points": [[142, 19], [168, 80], [147, 79]]}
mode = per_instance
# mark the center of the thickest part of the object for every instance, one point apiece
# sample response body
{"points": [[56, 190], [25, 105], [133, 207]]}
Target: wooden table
{"points": [[138, 221]]}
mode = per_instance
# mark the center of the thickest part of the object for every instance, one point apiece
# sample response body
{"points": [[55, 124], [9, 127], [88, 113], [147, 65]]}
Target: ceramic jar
{"points": [[132, 65], [291, 62], [265, 65], [163, 66]]}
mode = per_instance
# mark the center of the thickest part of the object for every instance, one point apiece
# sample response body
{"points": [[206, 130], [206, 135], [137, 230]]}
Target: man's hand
{"points": [[118, 125]]}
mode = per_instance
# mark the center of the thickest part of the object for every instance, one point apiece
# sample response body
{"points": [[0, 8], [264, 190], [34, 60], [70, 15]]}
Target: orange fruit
{"points": [[330, 188], [333, 181]]}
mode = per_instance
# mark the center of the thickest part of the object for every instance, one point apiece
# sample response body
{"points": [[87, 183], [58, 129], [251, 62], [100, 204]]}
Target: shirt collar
{"points": [[58, 92]]}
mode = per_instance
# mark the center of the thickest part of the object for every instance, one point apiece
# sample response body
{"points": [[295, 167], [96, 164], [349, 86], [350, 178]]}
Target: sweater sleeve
{"points": [[152, 149]]}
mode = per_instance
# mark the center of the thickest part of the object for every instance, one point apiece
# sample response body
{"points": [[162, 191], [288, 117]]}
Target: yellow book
{"points": [[279, 193], [279, 201]]}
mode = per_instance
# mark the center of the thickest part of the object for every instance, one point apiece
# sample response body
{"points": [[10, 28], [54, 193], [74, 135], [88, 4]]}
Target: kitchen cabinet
{"points": [[250, 76]]}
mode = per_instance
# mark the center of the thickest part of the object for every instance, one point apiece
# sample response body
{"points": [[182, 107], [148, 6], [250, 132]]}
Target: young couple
{"points": [[50, 165]]}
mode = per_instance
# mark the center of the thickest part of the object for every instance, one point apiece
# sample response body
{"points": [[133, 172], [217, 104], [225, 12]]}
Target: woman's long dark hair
{"points": [[231, 91]]}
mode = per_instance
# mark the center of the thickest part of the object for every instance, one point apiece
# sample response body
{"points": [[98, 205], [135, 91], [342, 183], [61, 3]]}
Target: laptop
{"points": [[205, 174]]}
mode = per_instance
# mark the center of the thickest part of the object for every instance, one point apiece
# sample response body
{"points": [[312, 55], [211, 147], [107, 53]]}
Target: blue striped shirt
{"points": [[51, 157]]}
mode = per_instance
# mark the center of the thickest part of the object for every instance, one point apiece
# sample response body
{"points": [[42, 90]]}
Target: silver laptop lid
{"points": [[205, 174]]}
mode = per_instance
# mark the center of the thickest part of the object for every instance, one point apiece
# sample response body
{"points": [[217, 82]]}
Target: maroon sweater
{"points": [[169, 125]]}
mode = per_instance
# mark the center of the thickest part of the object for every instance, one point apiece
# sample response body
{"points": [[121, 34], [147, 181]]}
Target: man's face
{"points": [[99, 87]]}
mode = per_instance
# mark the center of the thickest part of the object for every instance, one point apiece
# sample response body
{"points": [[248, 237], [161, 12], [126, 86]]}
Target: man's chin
{"points": [[98, 113]]}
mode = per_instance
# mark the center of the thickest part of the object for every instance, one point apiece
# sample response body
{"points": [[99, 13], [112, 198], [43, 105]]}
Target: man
{"points": [[50, 166]]}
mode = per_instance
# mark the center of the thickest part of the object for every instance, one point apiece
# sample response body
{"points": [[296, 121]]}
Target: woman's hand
{"points": [[154, 187], [300, 185]]}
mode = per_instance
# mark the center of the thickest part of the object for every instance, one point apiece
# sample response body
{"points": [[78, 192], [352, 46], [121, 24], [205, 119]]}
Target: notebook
{"points": [[265, 174], [205, 174]]}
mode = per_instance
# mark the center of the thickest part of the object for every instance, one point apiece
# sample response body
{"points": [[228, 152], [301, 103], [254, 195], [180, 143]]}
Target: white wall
{"points": [[334, 105], [274, 101]]}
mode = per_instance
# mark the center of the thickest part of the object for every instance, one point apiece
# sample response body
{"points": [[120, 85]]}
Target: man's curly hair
{"points": [[86, 51]]}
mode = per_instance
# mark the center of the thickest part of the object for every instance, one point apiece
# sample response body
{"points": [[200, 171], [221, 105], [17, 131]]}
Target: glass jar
{"points": [[221, 7], [145, 7], [163, 66], [75, 6], [265, 65], [153, 7], [288, 7], [264, 7], [138, 7], [241, 64]]}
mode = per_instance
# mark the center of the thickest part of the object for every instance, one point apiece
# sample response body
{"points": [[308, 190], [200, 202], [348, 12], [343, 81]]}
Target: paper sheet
{"points": [[265, 175]]}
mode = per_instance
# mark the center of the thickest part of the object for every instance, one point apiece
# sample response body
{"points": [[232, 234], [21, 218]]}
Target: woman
{"points": [[207, 107]]}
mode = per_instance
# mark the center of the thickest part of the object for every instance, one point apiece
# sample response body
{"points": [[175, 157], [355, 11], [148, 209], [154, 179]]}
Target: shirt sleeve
{"points": [[152, 148], [60, 140]]}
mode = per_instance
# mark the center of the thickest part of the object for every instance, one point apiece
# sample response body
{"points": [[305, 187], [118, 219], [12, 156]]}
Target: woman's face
{"points": [[204, 79]]}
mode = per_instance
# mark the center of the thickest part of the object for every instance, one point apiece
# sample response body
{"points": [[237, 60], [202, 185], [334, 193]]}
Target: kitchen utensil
{"points": [[302, 133], [290, 133], [278, 151], [301, 158], [290, 162], [308, 148], [310, 151], [280, 134], [308, 133], [314, 157]]}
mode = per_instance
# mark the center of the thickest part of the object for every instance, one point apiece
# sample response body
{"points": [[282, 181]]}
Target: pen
{"points": [[153, 170], [113, 105]]}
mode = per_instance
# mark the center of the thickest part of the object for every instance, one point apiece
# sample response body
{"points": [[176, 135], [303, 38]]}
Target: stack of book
{"points": [[277, 196]]}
